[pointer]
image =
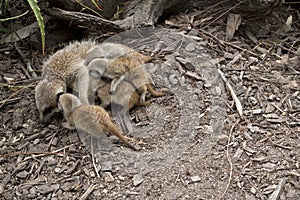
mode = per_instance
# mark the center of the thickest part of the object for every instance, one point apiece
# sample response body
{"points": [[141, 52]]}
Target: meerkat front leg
{"points": [[115, 82], [68, 126], [83, 84]]}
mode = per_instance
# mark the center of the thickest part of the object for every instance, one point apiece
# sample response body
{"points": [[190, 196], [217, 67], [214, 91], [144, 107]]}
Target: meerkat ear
{"points": [[97, 67]]}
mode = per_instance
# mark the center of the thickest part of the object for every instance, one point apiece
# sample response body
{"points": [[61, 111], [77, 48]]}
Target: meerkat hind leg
{"points": [[125, 122]]}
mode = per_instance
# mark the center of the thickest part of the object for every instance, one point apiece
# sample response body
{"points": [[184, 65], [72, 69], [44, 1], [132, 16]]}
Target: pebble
{"points": [[195, 179], [108, 177], [137, 179]]}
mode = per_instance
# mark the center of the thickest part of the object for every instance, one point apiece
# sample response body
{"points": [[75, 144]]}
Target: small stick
{"points": [[229, 160], [88, 192], [233, 95]]}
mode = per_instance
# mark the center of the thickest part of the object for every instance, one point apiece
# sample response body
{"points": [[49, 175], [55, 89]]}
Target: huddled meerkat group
{"points": [[111, 72]]}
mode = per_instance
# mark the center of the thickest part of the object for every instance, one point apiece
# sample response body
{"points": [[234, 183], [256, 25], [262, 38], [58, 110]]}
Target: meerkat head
{"points": [[96, 52], [97, 67], [46, 98], [67, 103], [113, 50], [106, 50]]}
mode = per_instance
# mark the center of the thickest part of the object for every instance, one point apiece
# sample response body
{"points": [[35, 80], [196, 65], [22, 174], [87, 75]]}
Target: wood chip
{"points": [[277, 191]]}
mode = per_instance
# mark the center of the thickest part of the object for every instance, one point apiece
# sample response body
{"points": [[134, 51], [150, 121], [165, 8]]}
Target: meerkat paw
{"points": [[139, 142], [68, 126], [143, 97]]}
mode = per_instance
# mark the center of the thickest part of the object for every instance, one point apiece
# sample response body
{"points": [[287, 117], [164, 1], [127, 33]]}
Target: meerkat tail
{"points": [[153, 92], [113, 130]]}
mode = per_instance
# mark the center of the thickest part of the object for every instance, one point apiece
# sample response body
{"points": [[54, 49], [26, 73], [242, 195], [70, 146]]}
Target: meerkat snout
{"points": [[46, 98]]}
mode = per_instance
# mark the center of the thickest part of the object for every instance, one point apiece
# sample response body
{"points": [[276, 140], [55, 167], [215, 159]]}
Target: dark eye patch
{"points": [[57, 96], [48, 110], [94, 73]]}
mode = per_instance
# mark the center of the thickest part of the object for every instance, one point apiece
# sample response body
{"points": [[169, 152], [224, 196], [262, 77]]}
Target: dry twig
{"points": [[237, 102], [229, 160], [88, 192]]}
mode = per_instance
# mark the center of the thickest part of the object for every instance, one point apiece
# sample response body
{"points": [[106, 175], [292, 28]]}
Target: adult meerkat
{"points": [[94, 120], [61, 70], [127, 67]]}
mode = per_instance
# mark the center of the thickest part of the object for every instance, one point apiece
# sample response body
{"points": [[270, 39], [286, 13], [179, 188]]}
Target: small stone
{"points": [[228, 55], [195, 179], [108, 177], [190, 47], [137, 179], [121, 178], [105, 191], [253, 190], [57, 169], [54, 141], [51, 161], [222, 139], [67, 186], [36, 141], [106, 166], [173, 79]]}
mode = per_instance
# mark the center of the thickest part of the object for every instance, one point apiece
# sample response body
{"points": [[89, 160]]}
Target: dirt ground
{"points": [[194, 144]]}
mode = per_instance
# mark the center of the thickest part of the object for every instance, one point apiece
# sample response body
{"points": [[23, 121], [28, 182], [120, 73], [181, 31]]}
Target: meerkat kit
{"points": [[113, 73]]}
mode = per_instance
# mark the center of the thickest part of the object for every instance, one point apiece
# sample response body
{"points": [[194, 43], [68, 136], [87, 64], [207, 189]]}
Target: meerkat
{"points": [[59, 71], [129, 58], [126, 67], [106, 50], [125, 95], [124, 99], [91, 119]]}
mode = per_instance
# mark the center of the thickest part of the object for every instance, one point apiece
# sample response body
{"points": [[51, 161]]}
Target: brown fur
{"points": [[106, 50], [125, 96], [126, 67], [91, 119], [60, 71]]}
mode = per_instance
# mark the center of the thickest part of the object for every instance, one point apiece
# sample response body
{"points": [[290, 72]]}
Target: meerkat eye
{"points": [[48, 110], [95, 73]]}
